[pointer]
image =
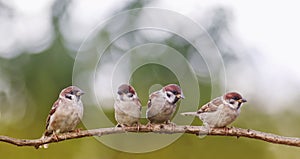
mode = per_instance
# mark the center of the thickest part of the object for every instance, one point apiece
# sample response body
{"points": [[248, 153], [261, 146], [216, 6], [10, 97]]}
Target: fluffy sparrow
{"points": [[221, 111], [127, 106], [162, 104], [66, 112]]}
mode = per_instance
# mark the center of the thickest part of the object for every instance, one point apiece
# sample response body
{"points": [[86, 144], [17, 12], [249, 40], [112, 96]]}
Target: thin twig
{"points": [[166, 129]]}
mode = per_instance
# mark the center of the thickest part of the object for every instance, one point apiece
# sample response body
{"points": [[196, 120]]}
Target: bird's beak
{"points": [[242, 100], [180, 96]]}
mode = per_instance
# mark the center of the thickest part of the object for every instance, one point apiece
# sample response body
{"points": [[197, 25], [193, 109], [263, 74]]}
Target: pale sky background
{"points": [[269, 28]]}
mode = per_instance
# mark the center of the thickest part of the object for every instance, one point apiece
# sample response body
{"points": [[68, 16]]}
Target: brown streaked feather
{"points": [[53, 109], [152, 95], [211, 106], [217, 101]]}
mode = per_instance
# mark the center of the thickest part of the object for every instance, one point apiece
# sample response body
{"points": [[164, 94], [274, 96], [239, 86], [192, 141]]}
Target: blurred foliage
{"points": [[43, 75]]}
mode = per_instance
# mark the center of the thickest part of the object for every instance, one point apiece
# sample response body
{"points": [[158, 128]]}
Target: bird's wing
{"points": [[211, 106], [151, 98], [52, 111]]}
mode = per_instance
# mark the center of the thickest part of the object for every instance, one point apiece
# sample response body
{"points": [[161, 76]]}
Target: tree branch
{"points": [[166, 129]]}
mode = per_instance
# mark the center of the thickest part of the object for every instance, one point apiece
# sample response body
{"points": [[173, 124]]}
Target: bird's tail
{"points": [[189, 114]]}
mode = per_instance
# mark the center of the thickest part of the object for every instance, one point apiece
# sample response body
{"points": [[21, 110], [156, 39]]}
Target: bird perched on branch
{"points": [[127, 106], [221, 111], [162, 104], [66, 112]]}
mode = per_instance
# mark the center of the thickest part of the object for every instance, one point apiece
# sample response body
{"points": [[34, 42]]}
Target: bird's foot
{"points": [[226, 129], [76, 130], [55, 136], [169, 123], [149, 125]]}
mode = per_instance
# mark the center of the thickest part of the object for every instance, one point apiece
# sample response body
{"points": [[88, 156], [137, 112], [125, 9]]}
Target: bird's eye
{"points": [[231, 102]]}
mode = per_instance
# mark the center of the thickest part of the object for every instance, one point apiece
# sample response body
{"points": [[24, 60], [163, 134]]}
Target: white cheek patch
{"points": [[235, 105], [69, 96], [228, 103], [133, 97], [72, 97], [170, 98]]}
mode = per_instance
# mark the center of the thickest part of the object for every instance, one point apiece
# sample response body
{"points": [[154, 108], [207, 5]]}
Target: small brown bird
{"points": [[127, 106], [162, 104], [221, 111], [66, 112]]}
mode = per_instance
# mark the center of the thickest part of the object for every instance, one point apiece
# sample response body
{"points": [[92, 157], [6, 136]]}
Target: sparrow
{"points": [[66, 112], [221, 111], [127, 106], [162, 104]]}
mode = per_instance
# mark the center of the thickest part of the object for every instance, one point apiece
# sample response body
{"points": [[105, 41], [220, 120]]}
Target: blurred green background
{"points": [[33, 72]]}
